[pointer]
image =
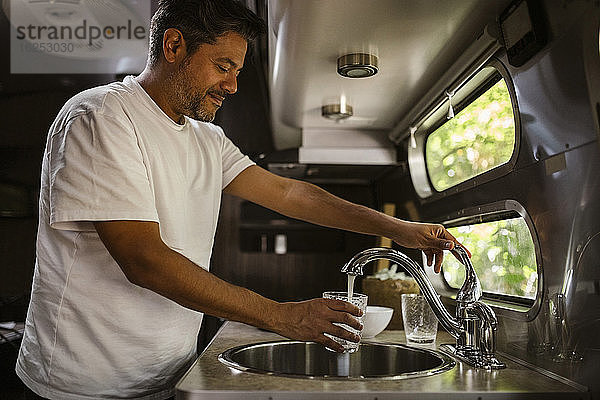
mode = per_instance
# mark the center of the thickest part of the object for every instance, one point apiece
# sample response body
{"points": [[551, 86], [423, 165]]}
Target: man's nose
{"points": [[230, 83]]}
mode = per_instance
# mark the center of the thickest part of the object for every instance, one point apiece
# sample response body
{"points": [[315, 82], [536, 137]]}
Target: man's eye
{"points": [[222, 69]]}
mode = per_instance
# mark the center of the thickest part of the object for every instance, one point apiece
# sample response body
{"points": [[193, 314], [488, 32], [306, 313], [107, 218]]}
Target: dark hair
{"points": [[201, 21]]}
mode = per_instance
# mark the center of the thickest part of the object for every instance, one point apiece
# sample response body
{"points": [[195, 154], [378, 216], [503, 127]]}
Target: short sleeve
{"points": [[97, 173], [234, 161]]}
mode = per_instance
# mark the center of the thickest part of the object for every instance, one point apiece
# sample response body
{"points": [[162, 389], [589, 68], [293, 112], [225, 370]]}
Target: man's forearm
{"points": [[182, 281], [310, 203]]}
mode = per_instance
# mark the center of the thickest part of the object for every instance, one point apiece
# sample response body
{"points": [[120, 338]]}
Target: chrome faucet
{"points": [[475, 324]]}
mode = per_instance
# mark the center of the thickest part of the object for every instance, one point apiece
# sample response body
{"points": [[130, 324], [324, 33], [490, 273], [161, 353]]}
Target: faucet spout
{"points": [[356, 266]]}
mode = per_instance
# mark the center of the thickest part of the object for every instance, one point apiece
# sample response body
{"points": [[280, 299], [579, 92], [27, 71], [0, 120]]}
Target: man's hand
{"points": [[432, 239], [310, 320]]}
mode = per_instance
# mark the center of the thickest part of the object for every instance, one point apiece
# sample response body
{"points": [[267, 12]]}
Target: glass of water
{"points": [[420, 323], [360, 301]]}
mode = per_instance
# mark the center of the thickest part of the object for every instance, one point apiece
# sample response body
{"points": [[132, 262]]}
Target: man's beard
{"points": [[191, 103], [197, 106]]}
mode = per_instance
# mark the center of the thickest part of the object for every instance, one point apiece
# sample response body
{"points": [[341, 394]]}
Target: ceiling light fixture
{"points": [[336, 112], [357, 65]]}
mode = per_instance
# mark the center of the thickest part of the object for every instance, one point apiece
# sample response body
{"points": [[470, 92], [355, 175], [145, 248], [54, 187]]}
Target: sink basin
{"points": [[313, 361]]}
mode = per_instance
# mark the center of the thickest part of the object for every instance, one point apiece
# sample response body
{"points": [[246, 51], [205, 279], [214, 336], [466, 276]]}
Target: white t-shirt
{"points": [[113, 154]]}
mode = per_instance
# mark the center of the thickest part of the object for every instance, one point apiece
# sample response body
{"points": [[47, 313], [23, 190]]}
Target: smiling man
{"points": [[196, 84], [132, 179]]}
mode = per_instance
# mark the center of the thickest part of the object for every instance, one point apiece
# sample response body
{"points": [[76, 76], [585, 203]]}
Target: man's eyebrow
{"points": [[227, 60]]}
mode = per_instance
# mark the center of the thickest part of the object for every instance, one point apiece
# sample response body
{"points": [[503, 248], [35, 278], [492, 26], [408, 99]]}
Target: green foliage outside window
{"points": [[503, 256], [479, 138]]}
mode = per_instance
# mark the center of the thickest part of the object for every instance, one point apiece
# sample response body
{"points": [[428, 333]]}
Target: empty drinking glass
{"points": [[420, 323]]}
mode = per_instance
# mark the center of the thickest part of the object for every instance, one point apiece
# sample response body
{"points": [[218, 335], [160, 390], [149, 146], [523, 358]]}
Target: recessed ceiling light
{"points": [[357, 65], [336, 112]]}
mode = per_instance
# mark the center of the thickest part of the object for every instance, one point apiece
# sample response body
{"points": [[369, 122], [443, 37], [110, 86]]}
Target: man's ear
{"points": [[173, 45]]}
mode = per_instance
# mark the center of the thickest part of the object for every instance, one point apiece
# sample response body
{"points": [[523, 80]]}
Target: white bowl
{"points": [[375, 320]]}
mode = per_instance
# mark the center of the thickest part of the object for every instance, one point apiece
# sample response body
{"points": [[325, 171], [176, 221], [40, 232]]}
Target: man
{"points": [[131, 184]]}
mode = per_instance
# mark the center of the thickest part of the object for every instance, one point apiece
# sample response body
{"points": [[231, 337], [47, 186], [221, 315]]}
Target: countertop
{"points": [[210, 379]]}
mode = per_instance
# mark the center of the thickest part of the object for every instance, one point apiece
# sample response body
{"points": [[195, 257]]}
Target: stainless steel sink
{"points": [[313, 361]]}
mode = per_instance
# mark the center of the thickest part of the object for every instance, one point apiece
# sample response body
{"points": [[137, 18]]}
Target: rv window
{"points": [[503, 255], [479, 138]]}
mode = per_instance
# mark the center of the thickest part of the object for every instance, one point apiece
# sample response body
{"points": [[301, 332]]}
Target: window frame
{"points": [[417, 157], [517, 307]]}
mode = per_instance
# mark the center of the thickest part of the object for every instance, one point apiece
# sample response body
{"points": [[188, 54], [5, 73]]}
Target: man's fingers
{"points": [[429, 255], [434, 259], [439, 257], [455, 242], [330, 343], [323, 318], [342, 333], [345, 318], [442, 244], [340, 305], [443, 240], [342, 312]]}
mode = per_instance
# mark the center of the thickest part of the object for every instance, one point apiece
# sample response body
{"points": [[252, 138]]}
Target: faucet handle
{"points": [[470, 291], [461, 254]]}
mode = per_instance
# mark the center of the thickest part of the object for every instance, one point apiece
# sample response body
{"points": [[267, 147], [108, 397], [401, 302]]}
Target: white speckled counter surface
{"points": [[210, 379]]}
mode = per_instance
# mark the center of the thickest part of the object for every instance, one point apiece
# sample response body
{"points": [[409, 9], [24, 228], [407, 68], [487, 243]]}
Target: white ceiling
{"points": [[416, 42]]}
